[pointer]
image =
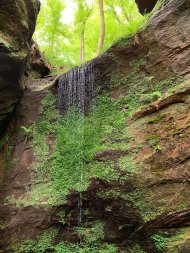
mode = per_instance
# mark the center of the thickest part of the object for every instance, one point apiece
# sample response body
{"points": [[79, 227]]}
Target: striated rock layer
{"points": [[17, 23], [143, 202]]}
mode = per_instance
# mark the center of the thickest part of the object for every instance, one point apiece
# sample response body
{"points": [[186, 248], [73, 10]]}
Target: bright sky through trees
{"points": [[69, 32]]}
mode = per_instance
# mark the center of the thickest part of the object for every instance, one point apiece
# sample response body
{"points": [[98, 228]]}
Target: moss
{"points": [[61, 215], [142, 200], [2, 225], [91, 242], [154, 141], [159, 119], [137, 249], [176, 239], [78, 139], [42, 244], [93, 233], [127, 163], [85, 248], [169, 237], [4, 140]]}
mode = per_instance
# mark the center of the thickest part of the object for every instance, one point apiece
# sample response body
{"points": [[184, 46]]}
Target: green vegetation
{"points": [[142, 199], [4, 141], [141, 90], [160, 242], [137, 249], [2, 225], [43, 243], [163, 240], [70, 165], [30, 246], [27, 131], [73, 248], [68, 32], [127, 163], [46, 242], [154, 141]]}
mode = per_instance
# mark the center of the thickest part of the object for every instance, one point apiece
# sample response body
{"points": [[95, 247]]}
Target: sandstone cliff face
{"points": [[143, 201], [17, 23]]}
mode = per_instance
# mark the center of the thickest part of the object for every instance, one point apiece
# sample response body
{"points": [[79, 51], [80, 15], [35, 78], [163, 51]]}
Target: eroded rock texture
{"points": [[17, 23], [37, 64], [150, 79]]}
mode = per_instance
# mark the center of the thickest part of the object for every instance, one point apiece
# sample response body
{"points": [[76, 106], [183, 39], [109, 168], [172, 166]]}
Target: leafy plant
{"points": [[70, 165], [43, 243], [62, 39], [160, 241], [27, 131]]}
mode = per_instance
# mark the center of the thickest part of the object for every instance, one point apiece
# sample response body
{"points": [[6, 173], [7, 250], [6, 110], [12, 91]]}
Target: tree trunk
{"points": [[115, 13], [102, 27], [82, 48]]}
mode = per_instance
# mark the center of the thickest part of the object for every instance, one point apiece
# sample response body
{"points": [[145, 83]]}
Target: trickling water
{"points": [[76, 88], [80, 206]]}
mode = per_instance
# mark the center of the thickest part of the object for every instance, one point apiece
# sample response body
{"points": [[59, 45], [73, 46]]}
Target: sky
{"points": [[68, 13]]}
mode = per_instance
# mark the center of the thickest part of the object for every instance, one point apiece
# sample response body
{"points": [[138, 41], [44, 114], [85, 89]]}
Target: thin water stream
{"points": [[76, 88]]}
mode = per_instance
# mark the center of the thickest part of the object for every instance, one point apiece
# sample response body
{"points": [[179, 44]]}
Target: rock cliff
{"points": [[17, 24], [133, 195]]}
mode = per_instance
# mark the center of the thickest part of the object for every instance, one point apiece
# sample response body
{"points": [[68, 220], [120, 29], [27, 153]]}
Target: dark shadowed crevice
{"points": [[146, 6]]}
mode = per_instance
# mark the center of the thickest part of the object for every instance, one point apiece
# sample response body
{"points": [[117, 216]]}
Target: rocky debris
{"points": [[17, 23], [37, 62]]}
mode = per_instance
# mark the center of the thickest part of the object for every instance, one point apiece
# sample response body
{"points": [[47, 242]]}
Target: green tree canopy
{"points": [[68, 33]]}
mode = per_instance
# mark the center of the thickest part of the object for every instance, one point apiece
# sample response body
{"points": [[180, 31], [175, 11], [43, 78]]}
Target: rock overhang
{"points": [[17, 24], [146, 6]]}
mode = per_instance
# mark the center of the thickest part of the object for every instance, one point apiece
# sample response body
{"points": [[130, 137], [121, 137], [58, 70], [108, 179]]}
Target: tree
{"points": [[70, 44], [112, 5], [102, 27], [48, 27], [81, 16]]}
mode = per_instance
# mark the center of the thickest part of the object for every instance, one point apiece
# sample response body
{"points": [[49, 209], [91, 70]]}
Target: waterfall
{"points": [[76, 88]]}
